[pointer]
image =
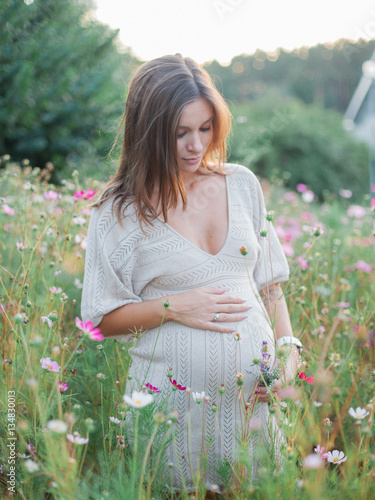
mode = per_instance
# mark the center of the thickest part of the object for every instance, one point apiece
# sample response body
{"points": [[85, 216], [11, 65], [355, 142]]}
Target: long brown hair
{"points": [[158, 92]]}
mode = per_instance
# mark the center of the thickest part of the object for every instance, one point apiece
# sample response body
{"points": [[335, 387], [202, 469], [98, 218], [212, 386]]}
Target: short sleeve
{"points": [[272, 266], [107, 283]]}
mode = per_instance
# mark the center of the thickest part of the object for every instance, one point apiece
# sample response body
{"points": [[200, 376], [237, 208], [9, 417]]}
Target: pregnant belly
{"points": [[201, 359]]}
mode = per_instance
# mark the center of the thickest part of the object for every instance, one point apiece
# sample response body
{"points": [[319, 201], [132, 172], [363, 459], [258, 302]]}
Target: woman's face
{"points": [[194, 134]]}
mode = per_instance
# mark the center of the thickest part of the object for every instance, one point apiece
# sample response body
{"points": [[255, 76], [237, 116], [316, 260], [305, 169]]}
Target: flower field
{"points": [[64, 432]]}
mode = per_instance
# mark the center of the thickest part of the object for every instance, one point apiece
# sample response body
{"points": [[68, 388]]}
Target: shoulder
{"points": [[241, 175], [105, 219]]}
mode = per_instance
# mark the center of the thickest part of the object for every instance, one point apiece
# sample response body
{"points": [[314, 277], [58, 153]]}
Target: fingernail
{"points": [[244, 317], [233, 329], [248, 308]]}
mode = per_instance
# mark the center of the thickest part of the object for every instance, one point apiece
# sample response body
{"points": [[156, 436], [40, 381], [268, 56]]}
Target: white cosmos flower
{"points": [[115, 420], [76, 438], [79, 220], [138, 399], [359, 413], [31, 466], [57, 426], [336, 457], [317, 403], [198, 396]]}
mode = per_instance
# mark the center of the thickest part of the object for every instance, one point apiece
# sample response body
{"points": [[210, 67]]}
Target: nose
{"points": [[195, 144]]}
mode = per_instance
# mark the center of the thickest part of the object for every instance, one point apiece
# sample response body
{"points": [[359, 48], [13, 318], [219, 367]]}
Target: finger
{"points": [[231, 299], [214, 290], [216, 327], [225, 318], [232, 308]]}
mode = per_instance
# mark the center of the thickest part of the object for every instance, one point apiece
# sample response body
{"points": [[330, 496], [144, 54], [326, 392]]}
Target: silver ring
{"points": [[216, 317]]}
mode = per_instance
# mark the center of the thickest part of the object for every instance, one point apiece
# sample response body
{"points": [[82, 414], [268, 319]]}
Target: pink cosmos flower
{"points": [[177, 386], [343, 304], [345, 193], [87, 327], [115, 420], [62, 386], [302, 262], [361, 265], [47, 319], [53, 289], [20, 245], [313, 461], [85, 195], [288, 249], [372, 202], [320, 450], [7, 209], [51, 195], [151, 389], [301, 188], [308, 380], [76, 438], [356, 211], [50, 366]]}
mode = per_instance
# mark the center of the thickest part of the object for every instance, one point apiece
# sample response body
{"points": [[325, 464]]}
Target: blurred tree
{"points": [[326, 74], [300, 143], [62, 79]]}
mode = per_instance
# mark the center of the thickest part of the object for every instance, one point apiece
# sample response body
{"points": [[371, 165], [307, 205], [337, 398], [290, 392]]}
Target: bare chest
{"points": [[205, 221]]}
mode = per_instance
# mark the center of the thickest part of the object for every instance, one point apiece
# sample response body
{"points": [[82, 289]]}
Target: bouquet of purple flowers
{"points": [[266, 374]]}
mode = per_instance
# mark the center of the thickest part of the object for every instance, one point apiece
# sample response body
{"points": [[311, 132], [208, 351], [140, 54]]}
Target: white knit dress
{"points": [[124, 265]]}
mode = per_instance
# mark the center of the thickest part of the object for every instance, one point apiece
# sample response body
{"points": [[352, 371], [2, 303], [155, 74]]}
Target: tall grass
{"points": [[331, 302]]}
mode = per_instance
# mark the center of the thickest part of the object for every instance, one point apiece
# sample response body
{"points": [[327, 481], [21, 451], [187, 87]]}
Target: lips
{"points": [[193, 160]]}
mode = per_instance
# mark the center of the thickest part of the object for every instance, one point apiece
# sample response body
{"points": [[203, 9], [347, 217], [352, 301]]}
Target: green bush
{"points": [[301, 143]]}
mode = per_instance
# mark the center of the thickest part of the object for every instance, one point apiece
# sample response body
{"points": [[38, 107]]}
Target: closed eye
{"points": [[204, 129]]}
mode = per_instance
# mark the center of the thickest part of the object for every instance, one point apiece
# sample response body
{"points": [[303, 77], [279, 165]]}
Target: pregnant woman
{"points": [[169, 226]]}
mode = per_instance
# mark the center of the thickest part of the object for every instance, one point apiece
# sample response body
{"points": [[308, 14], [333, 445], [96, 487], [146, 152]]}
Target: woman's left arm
{"points": [[277, 309]]}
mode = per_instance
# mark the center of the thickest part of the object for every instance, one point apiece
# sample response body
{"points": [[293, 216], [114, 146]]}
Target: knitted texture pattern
{"points": [[125, 265]]}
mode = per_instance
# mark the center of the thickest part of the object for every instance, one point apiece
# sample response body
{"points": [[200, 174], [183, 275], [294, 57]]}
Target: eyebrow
{"points": [[209, 119]]}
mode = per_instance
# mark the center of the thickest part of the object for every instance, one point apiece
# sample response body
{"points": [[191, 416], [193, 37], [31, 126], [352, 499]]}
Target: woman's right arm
{"points": [[195, 308]]}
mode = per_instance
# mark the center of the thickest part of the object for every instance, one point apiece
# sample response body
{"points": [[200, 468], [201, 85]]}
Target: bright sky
{"points": [[221, 29]]}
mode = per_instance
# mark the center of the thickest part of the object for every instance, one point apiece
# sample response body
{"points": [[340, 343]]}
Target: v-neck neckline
{"points": [[228, 229]]}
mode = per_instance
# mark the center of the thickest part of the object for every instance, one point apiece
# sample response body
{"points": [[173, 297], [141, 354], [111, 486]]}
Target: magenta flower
{"points": [[50, 366], [301, 188], [177, 386], [308, 380], [320, 450], [62, 386], [372, 202], [87, 327], [8, 210], [151, 389], [51, 195], [85, 195]]}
